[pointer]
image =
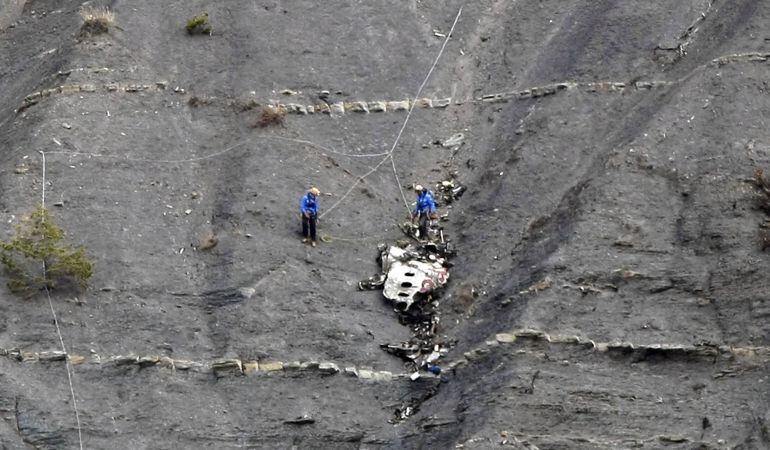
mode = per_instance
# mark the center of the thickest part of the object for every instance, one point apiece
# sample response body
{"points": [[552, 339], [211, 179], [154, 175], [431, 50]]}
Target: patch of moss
{"points": [[199, 24]]}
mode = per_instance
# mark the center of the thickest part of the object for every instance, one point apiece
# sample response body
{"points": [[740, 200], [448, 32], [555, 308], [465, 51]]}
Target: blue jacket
{"points": [[425, 204], [309, 204]]}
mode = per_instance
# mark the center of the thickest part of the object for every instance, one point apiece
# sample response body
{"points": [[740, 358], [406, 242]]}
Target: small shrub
{"points": [[96, 20], [37, 244], [271, 115], [762, 183], [196, 101], [199, 24]]}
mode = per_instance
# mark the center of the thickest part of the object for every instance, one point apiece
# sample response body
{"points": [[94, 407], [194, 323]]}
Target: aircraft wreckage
{"points": [[412, 273], [413, 270], [406, 273]]}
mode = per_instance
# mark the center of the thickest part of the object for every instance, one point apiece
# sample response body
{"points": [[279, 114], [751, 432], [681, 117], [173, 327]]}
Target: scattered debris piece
{"points": [[675, 439], [403, 412], [448, 191], [66, 125], [453, 141], [584, 289], [626, 274], [372, 283], [304, 419], [412, 406], [541, 285], [404, 350], [208, 241]]}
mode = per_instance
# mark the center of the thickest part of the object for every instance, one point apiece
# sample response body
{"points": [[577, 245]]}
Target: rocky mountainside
{"points": [[610, 286]]}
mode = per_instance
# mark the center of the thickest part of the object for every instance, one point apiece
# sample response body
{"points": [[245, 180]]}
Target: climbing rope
{"points": [[389, 154], [67, 362], [325, 237], [216, 154], [411, 107]]}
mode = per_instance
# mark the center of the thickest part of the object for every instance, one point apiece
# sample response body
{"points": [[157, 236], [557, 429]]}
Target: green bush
{"points": [[199, 24], [35, 245]]}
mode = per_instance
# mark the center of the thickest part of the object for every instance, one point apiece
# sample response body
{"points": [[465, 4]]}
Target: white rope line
{"points": [[326, 149], [67, 362], [411, 108], [43, 199], [216, 154], [160, 161], [355, 183], [389, 154]]}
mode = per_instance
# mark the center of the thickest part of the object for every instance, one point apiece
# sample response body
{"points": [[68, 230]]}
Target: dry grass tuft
{"points": [[271, 115], [96, 20], [196, 101]]}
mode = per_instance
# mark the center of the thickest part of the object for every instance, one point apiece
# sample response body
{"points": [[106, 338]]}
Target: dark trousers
{"points": [[423, 228], [308, 226]]}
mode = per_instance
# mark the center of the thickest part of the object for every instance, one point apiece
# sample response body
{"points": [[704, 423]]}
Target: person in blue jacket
{"points": [[308, 208], [424, 210]]}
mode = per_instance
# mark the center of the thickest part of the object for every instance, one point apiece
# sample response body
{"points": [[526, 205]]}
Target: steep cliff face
{"points": [[609, 289]]}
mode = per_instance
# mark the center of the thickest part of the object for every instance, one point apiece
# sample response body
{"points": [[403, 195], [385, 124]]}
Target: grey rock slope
{"points": [[609, 289]]}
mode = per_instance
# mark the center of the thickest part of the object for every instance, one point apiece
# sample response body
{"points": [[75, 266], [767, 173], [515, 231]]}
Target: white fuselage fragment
{"points": [[407, 276]]}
